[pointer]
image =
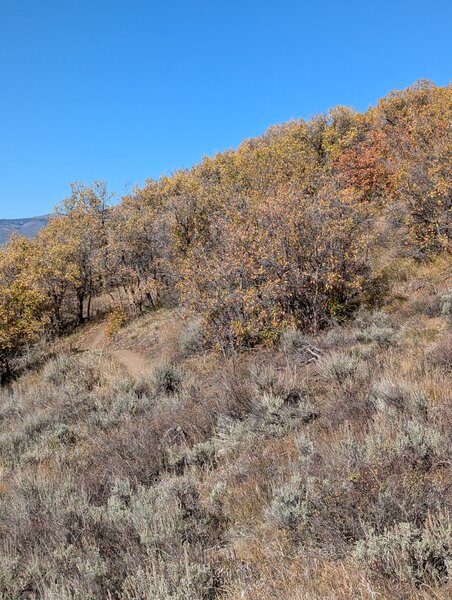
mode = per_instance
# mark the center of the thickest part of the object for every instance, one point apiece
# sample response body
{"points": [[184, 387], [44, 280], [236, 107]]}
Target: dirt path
{"points": [[96, 340], [135, 364]]}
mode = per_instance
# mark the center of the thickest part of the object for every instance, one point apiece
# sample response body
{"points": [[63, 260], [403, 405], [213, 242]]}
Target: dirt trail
{"points": [[132, 361], [96, 340]]}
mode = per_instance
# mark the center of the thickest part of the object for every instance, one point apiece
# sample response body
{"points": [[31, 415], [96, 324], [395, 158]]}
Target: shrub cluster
{"points": [[263, 476], [280, 233]]}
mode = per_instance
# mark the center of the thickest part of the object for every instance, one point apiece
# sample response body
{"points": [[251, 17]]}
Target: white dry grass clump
{"points": [[192, 338], [375, 327], [390, 439], [296, 344], [78, 370], [338, 367], [408, 553], [446, 305], [288, 508], [293, 341], [439, 354], [174, 528], [383, 336], [336, 337], [392, 395]]}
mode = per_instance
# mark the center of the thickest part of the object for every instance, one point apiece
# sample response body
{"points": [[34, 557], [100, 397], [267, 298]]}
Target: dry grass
{"points": [[255, 477]]}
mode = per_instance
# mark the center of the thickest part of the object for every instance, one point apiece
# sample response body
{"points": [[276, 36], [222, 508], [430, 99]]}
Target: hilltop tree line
{"points": [[282, 232]]}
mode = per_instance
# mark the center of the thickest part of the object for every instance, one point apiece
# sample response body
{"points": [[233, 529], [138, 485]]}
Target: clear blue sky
{"points": [[123, 90]]}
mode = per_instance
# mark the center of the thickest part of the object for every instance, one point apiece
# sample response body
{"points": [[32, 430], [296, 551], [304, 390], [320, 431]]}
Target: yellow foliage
{"points": [[280, 232], [116, 321]]}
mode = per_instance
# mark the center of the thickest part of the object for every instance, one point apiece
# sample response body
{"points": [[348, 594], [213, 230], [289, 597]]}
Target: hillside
{"points": [[236, 384], [26, 227], [319, 469]]}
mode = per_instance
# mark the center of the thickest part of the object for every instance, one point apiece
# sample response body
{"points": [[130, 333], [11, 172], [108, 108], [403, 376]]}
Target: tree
{"points": [[285, 260], [418, 128], [23, 307], [55, 268], [82, 231], [138, 248]]}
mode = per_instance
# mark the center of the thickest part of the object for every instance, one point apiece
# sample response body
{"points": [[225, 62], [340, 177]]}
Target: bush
{"points": [[419, 440], [168, 581], [57, 370], [368, 318], [293, 341], [288, 507], [391, 395], [175, 530], [383, 336], [115, 322], [74, 370], [201, 455], [446, 305], [256, 279], [167, 379], [336, 337], [440, 353], [410, 554], [337, 368], [17, 444], [409, 440], [192, 339]]}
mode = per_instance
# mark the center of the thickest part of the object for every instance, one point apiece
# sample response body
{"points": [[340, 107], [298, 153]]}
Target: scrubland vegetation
{"points": [[291, 437]]}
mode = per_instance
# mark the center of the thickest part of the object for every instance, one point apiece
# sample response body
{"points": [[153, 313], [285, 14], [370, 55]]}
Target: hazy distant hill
{"points": [[28, 227]]}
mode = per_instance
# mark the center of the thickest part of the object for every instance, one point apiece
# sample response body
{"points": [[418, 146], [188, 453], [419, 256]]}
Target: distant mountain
{"points": [[27, 227]]}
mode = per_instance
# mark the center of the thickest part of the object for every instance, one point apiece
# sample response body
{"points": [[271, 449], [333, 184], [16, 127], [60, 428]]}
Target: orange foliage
{"points": [[276, 233]]}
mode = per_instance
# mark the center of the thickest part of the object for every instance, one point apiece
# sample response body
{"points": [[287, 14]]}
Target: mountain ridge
{"points": [[27, 226]]}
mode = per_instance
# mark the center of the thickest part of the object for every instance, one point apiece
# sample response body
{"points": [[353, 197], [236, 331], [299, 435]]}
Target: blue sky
{"points": [[123, 90]]}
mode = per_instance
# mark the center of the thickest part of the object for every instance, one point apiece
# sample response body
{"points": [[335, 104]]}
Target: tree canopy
{"points": [[283, 231]]}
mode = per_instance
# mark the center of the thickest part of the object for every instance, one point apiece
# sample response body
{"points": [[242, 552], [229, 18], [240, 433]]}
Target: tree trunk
{"points": [[5, 371], [81, 299], [88, 309]]}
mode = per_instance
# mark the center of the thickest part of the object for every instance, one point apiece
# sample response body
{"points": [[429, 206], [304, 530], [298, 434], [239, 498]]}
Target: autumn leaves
{"points": [[282, 232]]}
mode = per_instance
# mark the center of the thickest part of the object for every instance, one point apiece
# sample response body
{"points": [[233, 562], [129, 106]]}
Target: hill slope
{"points": [[319, 469], [252, 396], [27, 227]]}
